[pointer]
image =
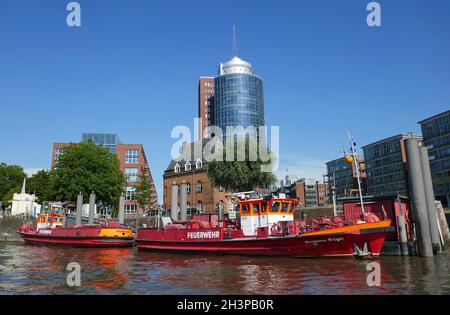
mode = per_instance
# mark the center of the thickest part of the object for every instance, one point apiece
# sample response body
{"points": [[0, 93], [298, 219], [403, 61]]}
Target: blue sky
{"points": [[132, 68]]}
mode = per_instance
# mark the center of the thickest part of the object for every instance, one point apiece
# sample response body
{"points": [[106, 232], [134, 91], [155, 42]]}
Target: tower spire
{"points": [[234, 51]]}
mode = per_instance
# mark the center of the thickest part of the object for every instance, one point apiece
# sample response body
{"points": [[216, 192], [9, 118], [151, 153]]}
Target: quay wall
{"points": [[8, 227]]}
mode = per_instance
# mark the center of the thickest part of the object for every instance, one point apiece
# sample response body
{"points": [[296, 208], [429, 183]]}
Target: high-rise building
{"points": [[386, 166], [342, 175], [205, 104], [232, 99], [133, 164], [238, 93], [436, 136]]}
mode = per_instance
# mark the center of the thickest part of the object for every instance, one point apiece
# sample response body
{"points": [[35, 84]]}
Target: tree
{"points": [[7, 198], [241, 175], [11, 176], [85, 167], [41, 184], [144, 193]]}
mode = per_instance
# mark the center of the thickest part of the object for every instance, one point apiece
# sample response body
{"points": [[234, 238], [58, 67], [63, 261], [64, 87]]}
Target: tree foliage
{"points": [[241, 175], [7, 198], [85, 167], [11, 176], [41, 184]]}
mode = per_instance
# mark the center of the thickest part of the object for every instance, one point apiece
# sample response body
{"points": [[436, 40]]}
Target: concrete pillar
{"points": [[121, 213], [429, 197], [417, 193], [174, 202], [79, 209], [183, 201], [402, 232], [221, 210], [91, 208]]}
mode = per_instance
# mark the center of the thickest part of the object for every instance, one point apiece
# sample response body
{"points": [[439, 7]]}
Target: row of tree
{"points": [[84, 167]]}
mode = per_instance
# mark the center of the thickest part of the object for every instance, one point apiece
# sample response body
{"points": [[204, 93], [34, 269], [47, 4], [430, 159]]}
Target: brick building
{"points": [[202, 197], [205, 104], [133, 164]]}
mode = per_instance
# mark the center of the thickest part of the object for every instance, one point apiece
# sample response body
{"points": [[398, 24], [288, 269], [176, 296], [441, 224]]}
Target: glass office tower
{"points": [[239, 99]]}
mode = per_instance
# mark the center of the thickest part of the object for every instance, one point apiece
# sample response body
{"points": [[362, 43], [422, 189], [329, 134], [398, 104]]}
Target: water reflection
{"points": [[40, 269]]}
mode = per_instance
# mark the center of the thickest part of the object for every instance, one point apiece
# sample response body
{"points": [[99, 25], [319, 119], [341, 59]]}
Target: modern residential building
{"points": [[202, 196], [205, 104], [436, 136], [133, 164], [386, 166], [309, 192], [342, 175]]}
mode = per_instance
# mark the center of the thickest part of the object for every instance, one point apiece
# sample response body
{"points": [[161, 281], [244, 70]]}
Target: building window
{"points": [[220, 188], [188, 188], [132, 157], [131, 175], [165, 190], [187, 166], [177, 168], [199, 186], [130, 209], [199, 206], [130, 192], [189, 205], [198, 164], [58, 153]]}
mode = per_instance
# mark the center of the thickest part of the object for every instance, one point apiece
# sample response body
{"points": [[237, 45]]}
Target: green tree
{"points": [[11, 176], [7, 198], [241, 175], [41, 184], [85, 167], [144, 193]]}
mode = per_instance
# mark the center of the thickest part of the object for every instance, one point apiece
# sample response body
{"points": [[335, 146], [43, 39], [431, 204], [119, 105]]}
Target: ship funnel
{"points": [[91, 208], [121, 210], [183, 201], [79, 209]]}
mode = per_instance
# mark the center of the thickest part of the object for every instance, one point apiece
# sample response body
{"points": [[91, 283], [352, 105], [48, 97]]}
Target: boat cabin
{"points": [[266, 213], [50, 218]]}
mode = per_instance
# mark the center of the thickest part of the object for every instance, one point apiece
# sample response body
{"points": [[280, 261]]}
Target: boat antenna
{"points": [[358, 177]]}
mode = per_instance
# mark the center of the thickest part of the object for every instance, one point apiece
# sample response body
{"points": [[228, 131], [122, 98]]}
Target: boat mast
{"points": [[353, 148]]}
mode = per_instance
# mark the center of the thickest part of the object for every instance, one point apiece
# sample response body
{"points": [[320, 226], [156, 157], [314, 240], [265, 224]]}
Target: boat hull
{"points": [[325, 244], [80, 237]]}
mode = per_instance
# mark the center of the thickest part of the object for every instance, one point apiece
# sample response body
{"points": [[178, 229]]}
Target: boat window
{"points": [[263, 207], [245, 208], [275, 206], [256, 208], [285, 207]]}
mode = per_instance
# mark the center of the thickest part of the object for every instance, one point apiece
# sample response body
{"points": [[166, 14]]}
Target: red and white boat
{"points": [[266, 227]]}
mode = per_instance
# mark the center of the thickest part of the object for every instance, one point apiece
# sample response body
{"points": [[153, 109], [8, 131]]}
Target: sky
{"points": [[132, 68]]}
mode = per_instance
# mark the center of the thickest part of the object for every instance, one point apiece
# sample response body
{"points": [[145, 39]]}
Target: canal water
{"points": [[26, 269]]}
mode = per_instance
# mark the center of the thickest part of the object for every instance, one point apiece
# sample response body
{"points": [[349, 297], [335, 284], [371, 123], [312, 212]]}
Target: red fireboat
{"points": [[266, 227], [51, 230]]}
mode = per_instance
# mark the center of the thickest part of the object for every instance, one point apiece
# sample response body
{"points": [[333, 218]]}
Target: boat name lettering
{"points": [[316, 241], [335, 239], [45, 231], [210, 234]]}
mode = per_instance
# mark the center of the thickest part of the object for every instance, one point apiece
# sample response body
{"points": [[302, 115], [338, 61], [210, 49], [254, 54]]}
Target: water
{"points": [[26, 269]]}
